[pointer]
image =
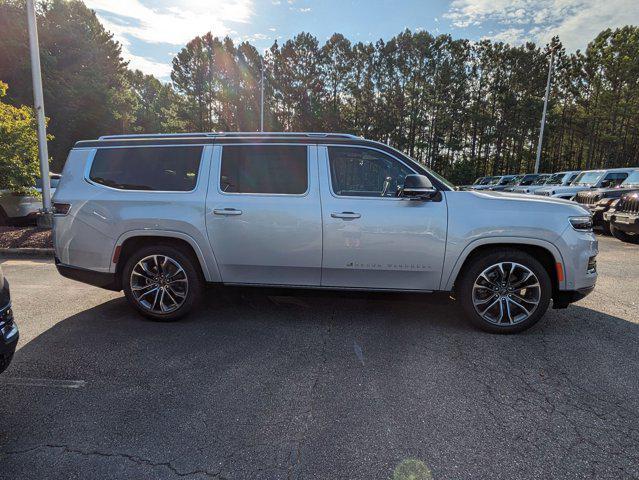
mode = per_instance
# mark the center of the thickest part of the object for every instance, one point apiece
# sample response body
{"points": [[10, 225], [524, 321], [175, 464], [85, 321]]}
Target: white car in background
{"points": [[587, 180], [18, 208]]}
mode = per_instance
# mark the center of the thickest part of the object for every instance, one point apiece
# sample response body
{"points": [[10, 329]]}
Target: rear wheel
{"points": [[162, 282], [624, 236], [504, 291]]}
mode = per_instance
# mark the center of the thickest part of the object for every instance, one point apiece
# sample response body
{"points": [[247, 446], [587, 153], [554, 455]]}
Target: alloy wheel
{"points": [[506, 293], [159, 284]]}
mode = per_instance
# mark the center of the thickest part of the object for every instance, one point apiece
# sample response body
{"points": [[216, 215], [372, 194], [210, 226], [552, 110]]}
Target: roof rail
{"points": [[227, 134]]}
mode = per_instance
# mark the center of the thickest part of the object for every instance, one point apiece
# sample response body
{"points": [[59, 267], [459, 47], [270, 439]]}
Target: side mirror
{"points": [[417, 187]]}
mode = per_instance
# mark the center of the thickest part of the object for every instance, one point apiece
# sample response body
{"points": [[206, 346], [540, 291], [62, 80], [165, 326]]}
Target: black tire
{"points": [[478, 264], [606, 228], [623, 236], [191, 272]]}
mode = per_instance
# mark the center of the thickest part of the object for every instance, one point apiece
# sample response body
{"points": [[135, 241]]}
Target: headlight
{"points": [[582, 224]]}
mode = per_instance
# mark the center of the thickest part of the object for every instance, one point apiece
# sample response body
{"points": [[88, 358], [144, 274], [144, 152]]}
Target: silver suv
{"points": [[159, 215]]}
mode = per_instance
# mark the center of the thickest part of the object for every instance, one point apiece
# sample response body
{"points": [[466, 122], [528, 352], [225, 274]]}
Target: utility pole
{"points": [[262, 97], [543, 115], [38, 103]]}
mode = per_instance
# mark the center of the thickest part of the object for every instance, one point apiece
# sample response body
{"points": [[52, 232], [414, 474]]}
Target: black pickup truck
{"points": [[600, 200]]}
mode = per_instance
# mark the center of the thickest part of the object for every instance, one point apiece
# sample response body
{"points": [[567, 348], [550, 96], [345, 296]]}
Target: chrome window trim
{"points": [[356, 197], [255, 194], [87, 169]]}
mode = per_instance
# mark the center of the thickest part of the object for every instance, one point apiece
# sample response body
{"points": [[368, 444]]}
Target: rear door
{"points": [[263, 214], [372, 239]]}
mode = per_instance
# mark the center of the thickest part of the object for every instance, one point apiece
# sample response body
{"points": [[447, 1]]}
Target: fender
{"points": [[207, 259], [448, 286]]}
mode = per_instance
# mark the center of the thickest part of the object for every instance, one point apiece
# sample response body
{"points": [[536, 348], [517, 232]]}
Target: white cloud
{"points": [[167, 21], [575, 21], [176, 23], [157, 69]]}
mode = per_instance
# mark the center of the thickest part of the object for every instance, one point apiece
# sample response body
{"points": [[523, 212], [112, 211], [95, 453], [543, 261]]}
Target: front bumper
{"points": [[626, 222], [562, 299]]}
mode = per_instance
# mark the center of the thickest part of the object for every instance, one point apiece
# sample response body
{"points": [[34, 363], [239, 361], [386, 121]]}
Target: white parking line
{"points": [[41, 382]]}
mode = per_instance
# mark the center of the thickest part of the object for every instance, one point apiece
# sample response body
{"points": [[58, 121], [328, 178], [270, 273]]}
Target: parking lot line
{"points": [[41, 382]]}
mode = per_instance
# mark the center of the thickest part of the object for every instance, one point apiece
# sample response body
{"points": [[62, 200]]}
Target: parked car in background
{"points": [[554, 180], [587, 180], [157, 216], [18, 208], [624, 220], [599, 200], [8, 328], [504, 182], [490, 182], [529, 180]]}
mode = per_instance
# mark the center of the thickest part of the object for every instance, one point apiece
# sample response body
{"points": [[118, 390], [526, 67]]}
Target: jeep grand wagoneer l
{"points": [[159, 215]]}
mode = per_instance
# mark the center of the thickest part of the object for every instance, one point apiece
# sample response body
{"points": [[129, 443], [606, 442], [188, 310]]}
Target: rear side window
{"points": [[280, 169], [168, 169]]}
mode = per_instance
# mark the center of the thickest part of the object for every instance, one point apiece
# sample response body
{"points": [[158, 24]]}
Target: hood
{"points": [[572, 207]]}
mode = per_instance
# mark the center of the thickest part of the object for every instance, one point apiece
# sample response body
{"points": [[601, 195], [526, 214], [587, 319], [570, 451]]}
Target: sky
{"points": [[152, 32]]}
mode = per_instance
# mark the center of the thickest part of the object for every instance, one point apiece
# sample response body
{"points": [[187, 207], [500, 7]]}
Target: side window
{"points": [[616, 177], [172, 169], [363, 172], [280, 169], [572, 177]]}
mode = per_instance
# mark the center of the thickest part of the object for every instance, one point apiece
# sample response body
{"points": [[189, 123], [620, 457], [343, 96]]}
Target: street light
{"points": [[38, 103], [543, 115], [262, 96]]}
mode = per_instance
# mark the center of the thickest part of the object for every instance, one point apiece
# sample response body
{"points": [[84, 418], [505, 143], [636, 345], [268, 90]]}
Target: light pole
{"points": [[262, 96], [543, 115], [38, 103]]}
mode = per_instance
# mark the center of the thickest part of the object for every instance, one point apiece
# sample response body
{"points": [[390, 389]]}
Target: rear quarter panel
{"points": [[101, 217]]}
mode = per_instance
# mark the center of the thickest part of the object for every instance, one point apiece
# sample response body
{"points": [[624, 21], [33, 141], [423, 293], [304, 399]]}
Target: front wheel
{"points": [[504, 291], [161, 282]]}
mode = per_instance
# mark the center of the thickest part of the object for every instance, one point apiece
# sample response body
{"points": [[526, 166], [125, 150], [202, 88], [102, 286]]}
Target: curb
{"points": [[26, 252]]}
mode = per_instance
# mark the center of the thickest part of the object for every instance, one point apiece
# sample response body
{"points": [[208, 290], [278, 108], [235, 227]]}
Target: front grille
{"points": [[545, 194], [629, 203], [587, 198]]}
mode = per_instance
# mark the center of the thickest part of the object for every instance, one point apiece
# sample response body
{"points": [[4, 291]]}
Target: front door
{"points": [[263, 214], [373, 239]]}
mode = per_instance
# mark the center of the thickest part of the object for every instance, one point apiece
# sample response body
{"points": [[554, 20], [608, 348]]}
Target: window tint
{"points": [[616, 177], [279, 169], [362, 172], [173, 169]]}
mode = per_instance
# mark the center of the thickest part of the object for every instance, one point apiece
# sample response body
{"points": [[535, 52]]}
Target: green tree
{"points": [[19, 165]]}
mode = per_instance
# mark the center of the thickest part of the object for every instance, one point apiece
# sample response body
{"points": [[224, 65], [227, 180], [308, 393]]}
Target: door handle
{"points": [[345, 215], [227, 211]]}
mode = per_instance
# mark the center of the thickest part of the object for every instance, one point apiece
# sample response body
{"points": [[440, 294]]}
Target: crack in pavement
{"points": [[133, 458]]}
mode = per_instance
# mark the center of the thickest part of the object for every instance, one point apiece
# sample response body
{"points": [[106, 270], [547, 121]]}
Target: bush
{"points": [[19, 165]]}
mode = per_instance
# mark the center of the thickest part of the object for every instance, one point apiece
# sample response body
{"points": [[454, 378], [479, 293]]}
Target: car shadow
{"points": [[285, 383]]}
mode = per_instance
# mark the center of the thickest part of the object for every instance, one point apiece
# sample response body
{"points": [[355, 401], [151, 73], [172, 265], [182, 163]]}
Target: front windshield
{"points": [[556, 179], [515, 180], [505, 180], [633, 179], [541, 180], [588, 178]]}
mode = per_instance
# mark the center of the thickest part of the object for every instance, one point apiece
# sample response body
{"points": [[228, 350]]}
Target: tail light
{"points": [[61, 208]]}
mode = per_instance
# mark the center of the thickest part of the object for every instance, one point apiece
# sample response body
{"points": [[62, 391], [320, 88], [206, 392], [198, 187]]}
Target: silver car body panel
{"points": [[297, 241]]}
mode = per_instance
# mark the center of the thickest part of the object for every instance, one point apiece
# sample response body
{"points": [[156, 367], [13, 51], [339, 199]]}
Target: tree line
{"points": [[463, 108]]}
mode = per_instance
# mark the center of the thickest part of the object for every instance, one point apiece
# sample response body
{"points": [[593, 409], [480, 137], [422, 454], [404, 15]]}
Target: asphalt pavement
{"points": [[319, 385]]}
